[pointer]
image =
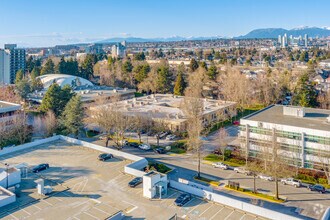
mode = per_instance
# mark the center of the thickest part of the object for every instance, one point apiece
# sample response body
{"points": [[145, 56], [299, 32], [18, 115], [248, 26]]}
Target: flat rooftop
{"points": [[85, 188], [165, 106], [8, 107], [89, 94], [313, 119]]}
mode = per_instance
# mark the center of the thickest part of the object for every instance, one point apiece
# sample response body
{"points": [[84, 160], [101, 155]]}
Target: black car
{"points": [[160, 150], [317, 188], [40, 167], [182, 199], [133, 144], [104, 157], [136, 181]]}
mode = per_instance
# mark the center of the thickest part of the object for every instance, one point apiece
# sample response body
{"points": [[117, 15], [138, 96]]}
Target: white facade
{"points": [[300, 145], [4, 66]]}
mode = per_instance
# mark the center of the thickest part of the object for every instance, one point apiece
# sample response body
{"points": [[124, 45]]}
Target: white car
{"points": [[220, 165], [144, 147], [292, 182], [265, 177], [242, 170], [170, 137]]}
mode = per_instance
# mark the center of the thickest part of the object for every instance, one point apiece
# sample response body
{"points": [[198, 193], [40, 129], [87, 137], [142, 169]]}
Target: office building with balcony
{"points": [[301, 135]]}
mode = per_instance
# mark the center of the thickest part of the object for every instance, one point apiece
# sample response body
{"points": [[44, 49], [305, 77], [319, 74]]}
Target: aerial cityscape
{"points": [[169, 110]]}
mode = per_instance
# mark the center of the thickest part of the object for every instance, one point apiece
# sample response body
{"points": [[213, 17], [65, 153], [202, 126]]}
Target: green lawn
{"points": [[257, 194], [159, 167], [91, 133], [179, 147]]}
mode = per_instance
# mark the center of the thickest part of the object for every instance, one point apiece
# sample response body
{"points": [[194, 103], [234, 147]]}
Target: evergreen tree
{"points": [[36, 84], [127, 67], [164, 77], [48, 68], [61, 66], [29, 64], [203, 65], [193, 65], [87, 66], [72, 116], [35, 72], [19, 76], [305, 94], [141, 72], [56, 98], [180, 85], [212, 72], [139, 56], [23, 88]]}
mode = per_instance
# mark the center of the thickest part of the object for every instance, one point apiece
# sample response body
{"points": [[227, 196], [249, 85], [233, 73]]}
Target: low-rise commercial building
{"points": [[7, 113], [301, 135], [168, 109]]}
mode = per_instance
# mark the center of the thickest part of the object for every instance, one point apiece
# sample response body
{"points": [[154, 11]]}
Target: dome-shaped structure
{"points": [[62, 80]]}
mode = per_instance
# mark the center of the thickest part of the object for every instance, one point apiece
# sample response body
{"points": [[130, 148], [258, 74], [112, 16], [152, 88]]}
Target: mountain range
{"points": [[254, 34], [274, 32]]}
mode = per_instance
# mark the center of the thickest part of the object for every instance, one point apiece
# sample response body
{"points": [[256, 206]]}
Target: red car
{"points": [[236, 123]]}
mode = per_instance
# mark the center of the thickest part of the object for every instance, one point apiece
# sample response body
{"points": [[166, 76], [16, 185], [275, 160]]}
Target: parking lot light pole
{"points": [[7, 165]]}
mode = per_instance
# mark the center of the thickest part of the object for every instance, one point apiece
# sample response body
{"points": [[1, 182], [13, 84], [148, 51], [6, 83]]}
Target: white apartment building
{"points": [[301, 135], [4, 66]]}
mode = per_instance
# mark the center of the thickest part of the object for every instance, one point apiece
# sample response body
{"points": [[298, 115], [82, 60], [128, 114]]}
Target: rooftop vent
{"points": [[328, 119], [294, 111]]}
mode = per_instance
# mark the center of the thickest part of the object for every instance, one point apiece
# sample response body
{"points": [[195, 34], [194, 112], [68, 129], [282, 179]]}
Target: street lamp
{"points": [[7, 165]]}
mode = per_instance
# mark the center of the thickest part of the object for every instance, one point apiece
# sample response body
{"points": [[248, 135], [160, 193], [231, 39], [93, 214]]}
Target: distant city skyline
{"points": [[48, 23]]}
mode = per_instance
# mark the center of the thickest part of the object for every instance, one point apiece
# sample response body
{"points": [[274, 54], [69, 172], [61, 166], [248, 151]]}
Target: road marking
{"points": [[26, 211], [91, 215], [101, 210], [37, 207], [97, 201], [13, 216], [205, 209], [216, 213], [230, 214], [47, 202]]}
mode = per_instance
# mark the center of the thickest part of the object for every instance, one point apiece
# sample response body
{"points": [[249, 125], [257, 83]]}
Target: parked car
{"points": [[104, 157], [242, 170], [220, 165], [292, 182], [162, 135], [144, 147], [170, 137], [123, 142], [265, 177], [134, 182], [317, 188], [40, 167], [236, 123], [182, 199], [133, 144], [160, 150]]}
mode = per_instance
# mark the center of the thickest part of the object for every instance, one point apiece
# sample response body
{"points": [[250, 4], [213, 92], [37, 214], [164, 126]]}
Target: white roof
{"points": [[63, 79]]}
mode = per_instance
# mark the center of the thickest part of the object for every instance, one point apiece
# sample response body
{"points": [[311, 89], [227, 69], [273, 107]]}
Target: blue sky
{"points": [[51, 22]]}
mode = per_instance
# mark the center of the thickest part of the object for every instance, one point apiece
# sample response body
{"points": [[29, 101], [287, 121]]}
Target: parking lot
{"points": [[85, 188]]}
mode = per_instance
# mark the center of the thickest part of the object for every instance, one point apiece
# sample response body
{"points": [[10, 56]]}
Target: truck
{"points": [[292, 182]]}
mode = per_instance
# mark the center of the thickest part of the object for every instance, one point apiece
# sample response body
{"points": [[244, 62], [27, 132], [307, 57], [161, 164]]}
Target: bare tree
{"points": [[20, 128], [45, 125], [323, 158], [141, 123], [193, 108], [223, 135]]}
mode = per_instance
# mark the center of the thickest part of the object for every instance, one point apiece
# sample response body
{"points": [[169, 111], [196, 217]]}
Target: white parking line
{"points": [[216, 213], [196, 206], [206, 210], [131, 210], [26, 211], [13, 216], [91, 215], [229, 214], [46, 202], [37, 207], [101, 210]]}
